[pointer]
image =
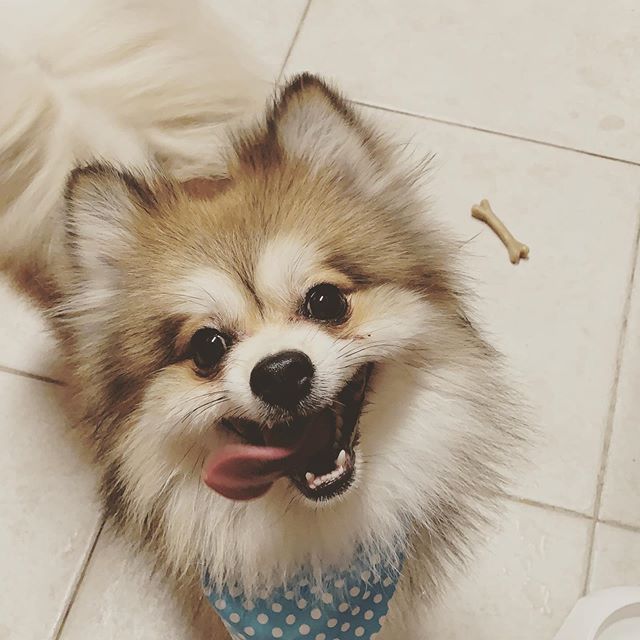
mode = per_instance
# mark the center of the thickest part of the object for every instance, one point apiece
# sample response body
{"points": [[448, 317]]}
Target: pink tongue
{"points": [[246, 471]]}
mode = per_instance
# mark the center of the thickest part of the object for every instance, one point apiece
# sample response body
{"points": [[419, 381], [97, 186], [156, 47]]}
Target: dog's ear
{"points": [[103, 207], [313, 123]]}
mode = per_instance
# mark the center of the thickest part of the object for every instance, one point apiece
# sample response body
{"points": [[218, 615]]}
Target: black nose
{"points": [[283, 379]]}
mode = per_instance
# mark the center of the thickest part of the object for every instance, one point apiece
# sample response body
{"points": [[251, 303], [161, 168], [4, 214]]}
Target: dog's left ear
{"points": [[315, 124]]}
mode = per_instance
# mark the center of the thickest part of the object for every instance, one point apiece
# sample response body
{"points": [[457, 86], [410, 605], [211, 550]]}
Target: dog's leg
{"points": [[207, 624]]}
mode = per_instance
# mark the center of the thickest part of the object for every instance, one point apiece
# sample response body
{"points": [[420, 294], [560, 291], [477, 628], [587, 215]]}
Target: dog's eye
{"points": [[207, 348], [325, 302]]}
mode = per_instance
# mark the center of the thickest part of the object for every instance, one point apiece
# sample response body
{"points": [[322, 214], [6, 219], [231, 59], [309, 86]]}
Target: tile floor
{"points": [[535, 105]]}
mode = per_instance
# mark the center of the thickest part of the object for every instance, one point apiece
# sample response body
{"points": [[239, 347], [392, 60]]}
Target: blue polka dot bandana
{"points": [[351, 604]]}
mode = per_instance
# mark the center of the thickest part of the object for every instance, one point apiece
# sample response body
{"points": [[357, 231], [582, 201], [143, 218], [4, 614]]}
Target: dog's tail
{"points": [[130, 82]]}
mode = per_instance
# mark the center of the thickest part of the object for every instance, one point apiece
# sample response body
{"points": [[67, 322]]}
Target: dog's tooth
{"points": [[342, 458], [310, 478]]}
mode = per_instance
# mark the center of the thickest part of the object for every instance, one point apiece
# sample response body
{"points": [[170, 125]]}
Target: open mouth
{"points": [[330, 471], [317, 452]]}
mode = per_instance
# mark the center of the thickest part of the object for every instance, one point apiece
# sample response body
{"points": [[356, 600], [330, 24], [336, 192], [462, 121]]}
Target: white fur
{"points": [[284, 268], [210, 293], [126, 81]]}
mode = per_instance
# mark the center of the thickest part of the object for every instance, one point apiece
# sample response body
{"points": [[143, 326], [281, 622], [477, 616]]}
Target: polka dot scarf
{"points": [[350, 605]]}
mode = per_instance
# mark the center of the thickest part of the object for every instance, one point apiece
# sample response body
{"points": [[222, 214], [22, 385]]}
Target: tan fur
{"points": [[295, 210]]}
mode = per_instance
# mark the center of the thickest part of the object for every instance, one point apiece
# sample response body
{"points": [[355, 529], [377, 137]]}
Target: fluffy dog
{"points": [[271, 312]]}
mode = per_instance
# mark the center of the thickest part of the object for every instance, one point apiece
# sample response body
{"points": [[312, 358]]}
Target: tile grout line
{"points": [[513, 136], [548, 507], [618, 524], [613, 401], [32, 376], [621, 525], [59, 627], [303, 17]]}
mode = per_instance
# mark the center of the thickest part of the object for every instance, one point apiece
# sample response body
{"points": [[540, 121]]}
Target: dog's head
{"points": [[293, 338]]}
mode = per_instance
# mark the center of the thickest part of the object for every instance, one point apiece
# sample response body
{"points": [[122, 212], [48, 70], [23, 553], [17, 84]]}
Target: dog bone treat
{"points": [[516, 249]]}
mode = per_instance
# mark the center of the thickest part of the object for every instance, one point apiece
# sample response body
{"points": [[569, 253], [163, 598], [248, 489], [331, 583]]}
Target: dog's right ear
{"points": [[311, 122], [103, 207]]}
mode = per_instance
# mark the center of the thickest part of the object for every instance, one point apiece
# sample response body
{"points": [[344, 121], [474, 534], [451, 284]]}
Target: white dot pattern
{"points": [[348, 606]]}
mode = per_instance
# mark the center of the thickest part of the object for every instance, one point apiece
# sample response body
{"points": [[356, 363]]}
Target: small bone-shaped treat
{"points": [[516, 249]]}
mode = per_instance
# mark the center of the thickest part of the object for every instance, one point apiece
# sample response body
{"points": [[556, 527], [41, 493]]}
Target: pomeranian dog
{"points": [[264, 327]]}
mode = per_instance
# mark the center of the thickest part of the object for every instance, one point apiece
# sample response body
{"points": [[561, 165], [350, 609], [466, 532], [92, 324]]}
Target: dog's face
{"points": [[293, 339]]}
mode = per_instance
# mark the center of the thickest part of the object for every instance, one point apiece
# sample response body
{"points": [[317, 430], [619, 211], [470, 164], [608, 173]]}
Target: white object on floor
{"points": [[612, 614]]}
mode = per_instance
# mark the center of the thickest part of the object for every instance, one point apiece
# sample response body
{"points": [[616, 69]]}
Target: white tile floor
{"points": [[535, 105]]}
